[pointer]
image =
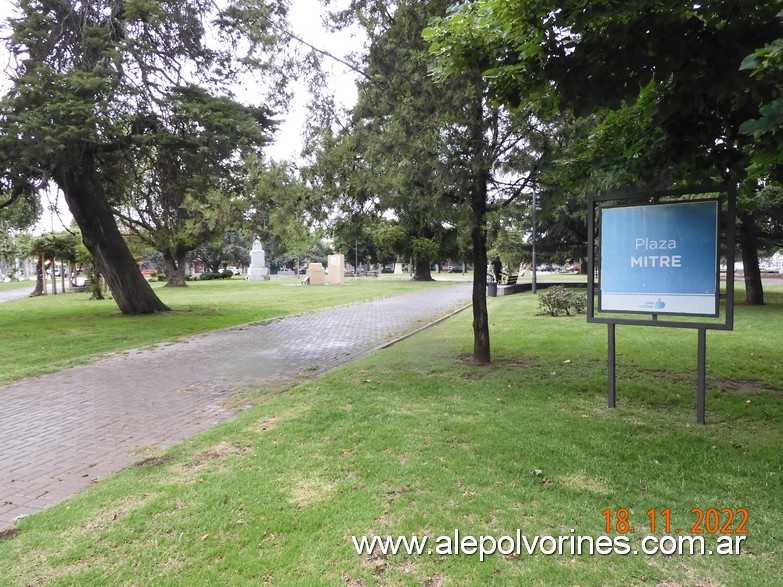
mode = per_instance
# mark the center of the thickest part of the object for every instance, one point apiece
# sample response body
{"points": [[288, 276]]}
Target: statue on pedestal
{"points": [[258, 270]]}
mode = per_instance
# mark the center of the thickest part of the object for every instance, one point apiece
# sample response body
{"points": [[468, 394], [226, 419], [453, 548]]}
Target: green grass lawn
{"points": [[417, 440], [48, 333], [9, 285]]}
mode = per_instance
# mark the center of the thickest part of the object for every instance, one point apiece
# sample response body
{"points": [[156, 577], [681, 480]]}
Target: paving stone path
{"points": [[59, 432]]}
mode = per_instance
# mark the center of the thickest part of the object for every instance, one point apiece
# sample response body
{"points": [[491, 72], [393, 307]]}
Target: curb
{"points": [[425, 327]]}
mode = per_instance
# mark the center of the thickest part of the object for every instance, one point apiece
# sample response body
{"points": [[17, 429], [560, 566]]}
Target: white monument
{"points": [[258, 270]]}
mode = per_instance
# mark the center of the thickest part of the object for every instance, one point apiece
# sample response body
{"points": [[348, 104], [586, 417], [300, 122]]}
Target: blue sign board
{"points": [[660, 259]]}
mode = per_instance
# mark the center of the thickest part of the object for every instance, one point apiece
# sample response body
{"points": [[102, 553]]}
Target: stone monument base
{"points": [[315, 271], [258, 274], [258, 271]]}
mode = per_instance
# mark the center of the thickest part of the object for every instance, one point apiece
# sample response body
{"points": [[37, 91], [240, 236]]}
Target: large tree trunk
{"points": [[478, 233], [175, 269], [422, 271], [86, 199], [747, 235], [478, 236]]}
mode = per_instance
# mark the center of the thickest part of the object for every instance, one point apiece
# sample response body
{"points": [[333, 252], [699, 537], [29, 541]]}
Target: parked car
{"points": [[455, 269], [387, 269]]}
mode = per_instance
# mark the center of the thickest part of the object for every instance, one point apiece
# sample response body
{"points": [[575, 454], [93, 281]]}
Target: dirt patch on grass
{"points": [[118, 511], [219, 452], [747, 387], [209, 456], [468, 369], [351, 582], [675, 378], [310, 491], [153, 461], [513, 363], [584, 482], [264, 425], [8, 533], [376, 562]]}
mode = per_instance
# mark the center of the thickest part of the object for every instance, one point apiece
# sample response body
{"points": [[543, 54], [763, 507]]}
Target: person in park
{"points": [[497, 268]]}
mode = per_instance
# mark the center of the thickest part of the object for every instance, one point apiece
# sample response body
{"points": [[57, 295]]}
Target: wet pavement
{"points": [[59, 432]]}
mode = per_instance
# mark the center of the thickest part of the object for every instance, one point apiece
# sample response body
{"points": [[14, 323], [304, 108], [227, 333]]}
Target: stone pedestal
{"points": [[398, 268], [336, 269], [315, 271], [258, 271]]}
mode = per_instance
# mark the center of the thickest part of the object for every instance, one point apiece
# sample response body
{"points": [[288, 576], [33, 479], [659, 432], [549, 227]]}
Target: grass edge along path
{"points": [[417, 440], [50, 333]]}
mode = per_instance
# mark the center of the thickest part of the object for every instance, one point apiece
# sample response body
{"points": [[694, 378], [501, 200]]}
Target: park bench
{"points": [[361, 274], [511, 280], [81, 288]]}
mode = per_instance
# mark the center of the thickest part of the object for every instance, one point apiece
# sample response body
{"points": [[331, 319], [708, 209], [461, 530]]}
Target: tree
{"points": [[357, 239], [231, 247], [9, 251], [283, 211], [188, 182], [49, 248], [766, 63], [675, 65], [433, 153], [93, 81]]}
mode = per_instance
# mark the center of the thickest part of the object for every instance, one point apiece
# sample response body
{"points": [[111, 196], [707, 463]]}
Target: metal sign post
{"points": [[657, 256]]}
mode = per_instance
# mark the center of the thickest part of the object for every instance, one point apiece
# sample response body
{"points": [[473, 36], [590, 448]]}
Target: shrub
{"points": [[578, 300], [225, 274], [558, 299]]}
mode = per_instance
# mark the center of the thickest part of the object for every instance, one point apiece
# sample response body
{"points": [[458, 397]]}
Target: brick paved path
{"points": [[59, 432]]}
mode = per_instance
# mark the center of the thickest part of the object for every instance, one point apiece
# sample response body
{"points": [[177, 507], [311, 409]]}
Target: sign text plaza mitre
{"points": [[660, 258]]}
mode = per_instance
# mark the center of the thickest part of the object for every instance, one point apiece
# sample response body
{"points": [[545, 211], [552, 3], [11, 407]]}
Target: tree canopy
{"points": [[437, 155], [676, 92], [680, 58], [96, 80], [186, 184]]}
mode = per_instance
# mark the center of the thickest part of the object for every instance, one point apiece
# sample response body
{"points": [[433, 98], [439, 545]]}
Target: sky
{"points": [[305, 18], [305, 21]]}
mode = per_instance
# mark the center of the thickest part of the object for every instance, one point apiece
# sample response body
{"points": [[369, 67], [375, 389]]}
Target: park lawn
{"points": [[50, 333], [418, 440], [10, 285]]}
